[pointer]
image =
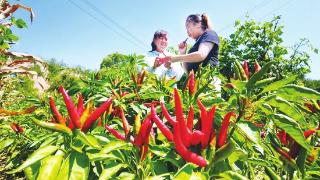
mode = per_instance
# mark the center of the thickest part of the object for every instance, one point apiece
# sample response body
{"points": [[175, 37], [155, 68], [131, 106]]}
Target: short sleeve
{"points": [[210, 36]]}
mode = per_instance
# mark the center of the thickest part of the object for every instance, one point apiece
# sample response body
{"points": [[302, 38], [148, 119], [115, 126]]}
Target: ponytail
{"points": [[205, 21]]}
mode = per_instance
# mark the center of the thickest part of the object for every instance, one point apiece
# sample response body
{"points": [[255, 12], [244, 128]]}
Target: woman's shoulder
{"points": [[211, 36]]}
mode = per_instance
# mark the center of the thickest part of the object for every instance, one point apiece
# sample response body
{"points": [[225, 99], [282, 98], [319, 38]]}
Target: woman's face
{"points": [[161, 43], [193, 30]]}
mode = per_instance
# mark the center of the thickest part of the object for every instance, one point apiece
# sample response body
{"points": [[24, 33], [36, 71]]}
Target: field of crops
{"points": [[58, 122]]}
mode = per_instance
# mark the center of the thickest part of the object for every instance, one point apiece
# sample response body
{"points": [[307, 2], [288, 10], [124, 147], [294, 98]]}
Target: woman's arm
{"points": [[198, 56]]}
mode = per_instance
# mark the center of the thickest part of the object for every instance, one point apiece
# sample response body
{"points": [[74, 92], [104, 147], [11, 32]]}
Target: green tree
{"points": [[263, 42]]}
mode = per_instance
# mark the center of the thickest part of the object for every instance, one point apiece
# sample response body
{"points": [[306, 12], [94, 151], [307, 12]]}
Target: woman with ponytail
{"points": [[205, 50]]}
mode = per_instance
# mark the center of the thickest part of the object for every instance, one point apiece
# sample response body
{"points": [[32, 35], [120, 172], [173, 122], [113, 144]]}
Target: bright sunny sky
{"points": [[82, 32]]}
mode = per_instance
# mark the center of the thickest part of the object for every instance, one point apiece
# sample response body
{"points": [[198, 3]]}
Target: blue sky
{"points": [[83, 36]]}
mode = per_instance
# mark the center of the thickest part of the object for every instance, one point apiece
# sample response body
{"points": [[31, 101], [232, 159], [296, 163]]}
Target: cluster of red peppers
{"points": [[242, 72], [141, 140], [183, 135], [294, 147], [79, 116]]}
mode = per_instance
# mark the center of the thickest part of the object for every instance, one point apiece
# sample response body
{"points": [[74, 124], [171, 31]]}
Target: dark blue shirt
{"points": [[212, 58]]}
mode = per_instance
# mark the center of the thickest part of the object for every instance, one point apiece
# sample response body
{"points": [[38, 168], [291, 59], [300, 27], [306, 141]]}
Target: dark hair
{"points": [[157, 34], [203, 19]]}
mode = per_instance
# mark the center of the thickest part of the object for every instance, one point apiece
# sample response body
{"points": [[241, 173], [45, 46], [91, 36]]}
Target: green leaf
{"points": [[5, 143], [102, 157], [264, 82], [301, 161], [237, 154], [257, 161], [87, 139], [35, 157], [249, 131], [185, 172], [161, 151], [20, 23], [297, 93], [50, 167], [108, 172], [75, 167], [232, 175], [272, 174], [115, 145], [199, 176], [31, 171], [292, 128], [257, 76], [126, 176], [224, 152], [278, 84], [288, 108]]}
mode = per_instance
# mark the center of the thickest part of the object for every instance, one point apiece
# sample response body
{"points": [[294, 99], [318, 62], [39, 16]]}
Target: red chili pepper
{"points": [[192, 83], [125, 123], [203, 113], [282, 135], [163, 128], [295, 148], [144, 132], [142, 77], [180, 119], [166, 114], [16, 128], [75, 118], [207, 130], [133, 78], [115, 133], [56, 114], [310, 107], [70, 125], [96, 114], [190, 118], [187, 155], [259, 125], [283, 153], [246, 68], [230, 86], [197, 137], [124, 93], [224, 129], [257, 67], [81, 107], [308, 133]]}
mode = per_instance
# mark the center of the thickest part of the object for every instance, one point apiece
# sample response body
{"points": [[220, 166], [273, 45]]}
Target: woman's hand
{"points": [[183, 47], [156, 63], [167, 65]]}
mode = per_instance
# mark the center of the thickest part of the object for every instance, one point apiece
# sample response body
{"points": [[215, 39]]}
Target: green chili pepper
{"points": [[53, 126]]}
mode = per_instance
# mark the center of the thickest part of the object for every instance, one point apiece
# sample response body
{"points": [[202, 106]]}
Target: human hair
{"points": [[157, 34], [203, 19]]}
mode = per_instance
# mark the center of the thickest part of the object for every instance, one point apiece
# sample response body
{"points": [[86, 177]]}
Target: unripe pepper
{"points": [[53, 126]]}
